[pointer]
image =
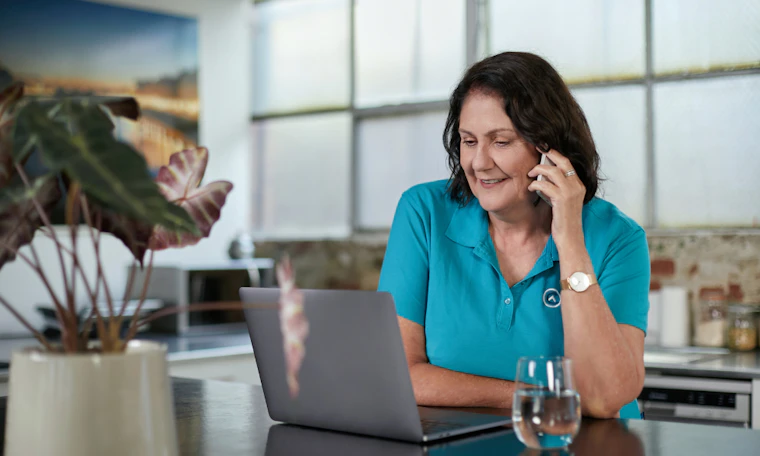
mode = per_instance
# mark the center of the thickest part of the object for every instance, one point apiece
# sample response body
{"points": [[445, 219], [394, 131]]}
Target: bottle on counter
{"points": [[710, 319], [742, 328]]}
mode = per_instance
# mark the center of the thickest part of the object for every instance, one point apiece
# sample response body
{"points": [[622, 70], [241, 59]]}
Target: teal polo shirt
{"points": [[441, 268]]}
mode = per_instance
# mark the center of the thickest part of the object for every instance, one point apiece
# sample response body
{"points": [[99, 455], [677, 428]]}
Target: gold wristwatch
{"points": [[578, 282]]}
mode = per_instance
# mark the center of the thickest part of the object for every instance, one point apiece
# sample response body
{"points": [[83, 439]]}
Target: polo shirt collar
{"points": [[552, 249], [469, 227]]}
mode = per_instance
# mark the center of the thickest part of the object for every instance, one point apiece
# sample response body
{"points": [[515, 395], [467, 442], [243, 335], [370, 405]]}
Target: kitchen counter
{"points": [[229, 418], [692, 361], [179, 348], [703, 362]]}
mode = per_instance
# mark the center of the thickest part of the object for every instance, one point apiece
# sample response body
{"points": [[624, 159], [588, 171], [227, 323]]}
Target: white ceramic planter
{"points": [[91, 404]]}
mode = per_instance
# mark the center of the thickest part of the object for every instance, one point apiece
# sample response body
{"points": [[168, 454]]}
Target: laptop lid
{"points": [[354, 376]]}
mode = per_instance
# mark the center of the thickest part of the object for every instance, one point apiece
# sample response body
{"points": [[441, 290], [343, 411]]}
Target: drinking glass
{"points": [[547, 409]]}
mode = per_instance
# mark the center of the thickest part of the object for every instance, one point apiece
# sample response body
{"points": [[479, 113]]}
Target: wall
{"points": [[694, 261], [224, 90], [351, 265], [730, 262]]}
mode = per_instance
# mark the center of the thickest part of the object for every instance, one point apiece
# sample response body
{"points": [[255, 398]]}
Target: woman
{"points": [[479, 265]]}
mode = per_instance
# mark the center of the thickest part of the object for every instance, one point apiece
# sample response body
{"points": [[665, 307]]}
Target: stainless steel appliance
{"points": [[204, 283], [697, 400]]}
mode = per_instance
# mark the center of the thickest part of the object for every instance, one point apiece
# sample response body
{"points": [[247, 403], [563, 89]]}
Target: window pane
{"points": [[303, 174], [702, 35], [408, 50], [706, 143], [617, 117], [396, 153], [585, 40], [301, 55]]}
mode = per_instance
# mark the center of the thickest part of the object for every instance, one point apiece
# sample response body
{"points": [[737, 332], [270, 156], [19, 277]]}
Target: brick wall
{"points": [[346, 265], [695, 261], [728, 262]]}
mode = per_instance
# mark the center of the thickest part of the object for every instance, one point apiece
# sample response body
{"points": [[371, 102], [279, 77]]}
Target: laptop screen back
{"points": [[354, 375]]}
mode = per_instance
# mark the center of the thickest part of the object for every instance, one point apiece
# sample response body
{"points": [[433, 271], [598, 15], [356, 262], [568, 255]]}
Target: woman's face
{"points": [[494, 157]]}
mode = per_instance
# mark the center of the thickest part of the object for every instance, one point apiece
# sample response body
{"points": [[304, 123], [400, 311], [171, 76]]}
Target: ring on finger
{"points": [[570, 173]]}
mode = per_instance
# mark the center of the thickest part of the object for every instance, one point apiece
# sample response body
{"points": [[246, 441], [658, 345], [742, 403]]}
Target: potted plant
{"points": [[110, 395]]}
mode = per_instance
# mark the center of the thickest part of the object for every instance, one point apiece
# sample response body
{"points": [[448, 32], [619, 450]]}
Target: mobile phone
{"points": [[544, 161]]}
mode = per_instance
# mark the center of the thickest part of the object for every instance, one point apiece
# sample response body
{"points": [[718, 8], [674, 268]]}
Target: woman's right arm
{"points": [[436, 386]]}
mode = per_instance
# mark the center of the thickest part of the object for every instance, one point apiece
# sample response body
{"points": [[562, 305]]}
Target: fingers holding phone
{"points": [[556, 180], [545, 160], [559, 185]]}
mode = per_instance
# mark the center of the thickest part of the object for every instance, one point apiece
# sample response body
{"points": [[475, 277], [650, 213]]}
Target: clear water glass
{"points": [[547, 408]]}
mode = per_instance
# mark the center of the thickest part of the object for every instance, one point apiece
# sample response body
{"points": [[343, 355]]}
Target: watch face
{"points": [[579, 281]]}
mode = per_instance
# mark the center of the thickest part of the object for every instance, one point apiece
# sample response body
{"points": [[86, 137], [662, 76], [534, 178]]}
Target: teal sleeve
{"points": [[404, 273], [625, 280]]}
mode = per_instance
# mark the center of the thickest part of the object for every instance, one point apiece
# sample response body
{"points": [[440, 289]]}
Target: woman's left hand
{"points": [[566, 192]]}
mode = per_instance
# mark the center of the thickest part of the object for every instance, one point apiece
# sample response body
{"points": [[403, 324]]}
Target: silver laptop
{"points": [[354, 377]]}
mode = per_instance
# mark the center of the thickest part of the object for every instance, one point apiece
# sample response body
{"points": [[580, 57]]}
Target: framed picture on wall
{"points": [[60, 48]]}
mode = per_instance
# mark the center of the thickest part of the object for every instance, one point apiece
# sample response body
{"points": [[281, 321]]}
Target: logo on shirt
{"points": [[552, 298]]}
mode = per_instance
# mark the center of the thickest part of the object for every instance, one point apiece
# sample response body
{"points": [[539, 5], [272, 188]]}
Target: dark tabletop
{"points": [[218, 418]]}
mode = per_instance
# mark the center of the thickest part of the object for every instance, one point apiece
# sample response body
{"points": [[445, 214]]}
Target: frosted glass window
{"points": [[302, 179], [702, 35], [585, 40], [408, 50], [301, 55], [396, 153], [617, 118], [706, 141]]}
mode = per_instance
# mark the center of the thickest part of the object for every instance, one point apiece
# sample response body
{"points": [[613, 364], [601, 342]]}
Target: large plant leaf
{"points": [[109, 172], [8, 99], [9, 96], [123, 107], [135, 235], [19, 218], [23, 141], [179, 183]]}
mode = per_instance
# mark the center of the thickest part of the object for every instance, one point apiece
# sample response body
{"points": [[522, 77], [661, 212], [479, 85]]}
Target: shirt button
{"points": [[507, 301]]}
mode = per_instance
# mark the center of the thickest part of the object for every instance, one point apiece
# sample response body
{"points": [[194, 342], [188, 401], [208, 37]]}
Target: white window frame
{"points": [[477, 47]]}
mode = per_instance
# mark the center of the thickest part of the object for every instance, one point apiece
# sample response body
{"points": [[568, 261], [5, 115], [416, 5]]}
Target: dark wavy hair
{"points": [[541, 108]]}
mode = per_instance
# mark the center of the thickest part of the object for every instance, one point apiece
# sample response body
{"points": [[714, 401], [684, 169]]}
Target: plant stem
{"points": [[65, 249], [72, 220], [205, 306], [146, 281], [106, 341], [60, 311], [114, 327], [46, 221], [36, 268], [75, 258], [127, 292], [86, 328], [92, 295], [37, 335]]}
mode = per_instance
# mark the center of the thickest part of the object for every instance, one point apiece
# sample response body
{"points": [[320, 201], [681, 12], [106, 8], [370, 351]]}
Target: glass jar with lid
{"points": [[742, 328], [710, 319]]}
